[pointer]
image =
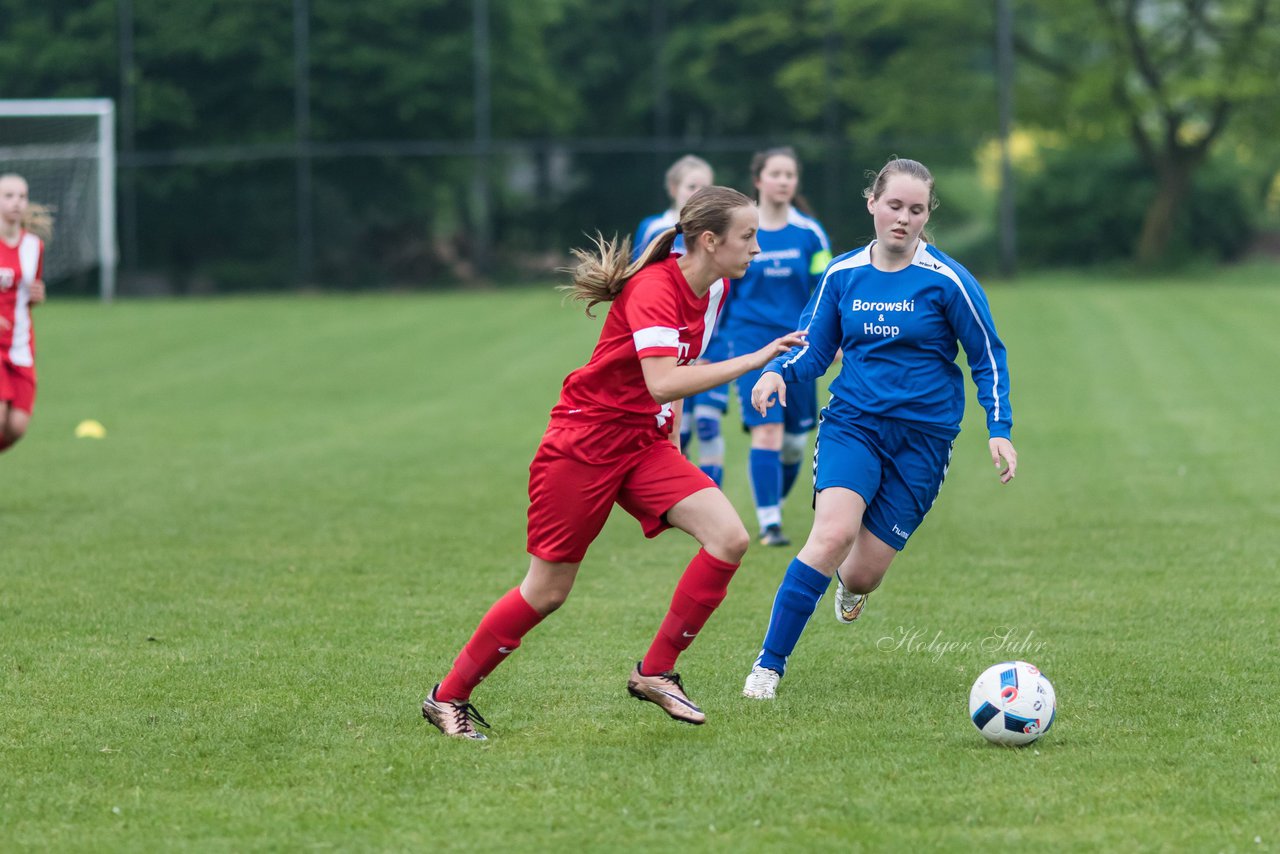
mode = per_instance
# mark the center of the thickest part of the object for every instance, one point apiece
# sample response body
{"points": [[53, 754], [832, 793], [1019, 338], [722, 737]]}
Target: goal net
{"points": [[65, 149]]}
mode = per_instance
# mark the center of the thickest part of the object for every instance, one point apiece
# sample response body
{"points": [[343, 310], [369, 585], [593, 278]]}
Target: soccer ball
{"points": [[1012, 703]]}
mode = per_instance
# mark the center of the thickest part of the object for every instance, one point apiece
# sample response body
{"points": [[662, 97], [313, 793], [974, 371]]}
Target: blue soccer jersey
{"points": [[651, 227], [901, 333], [768, 300]]}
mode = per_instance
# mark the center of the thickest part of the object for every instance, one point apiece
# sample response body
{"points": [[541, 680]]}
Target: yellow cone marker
{"points": [[90, 429]]}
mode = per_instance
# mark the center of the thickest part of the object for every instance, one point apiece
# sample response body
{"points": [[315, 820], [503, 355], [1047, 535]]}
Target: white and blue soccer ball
{"points": [[1012, 703]]}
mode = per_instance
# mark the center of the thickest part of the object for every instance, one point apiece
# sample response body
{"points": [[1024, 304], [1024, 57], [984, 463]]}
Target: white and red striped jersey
{"points": [[657, 314], [20, 265]]}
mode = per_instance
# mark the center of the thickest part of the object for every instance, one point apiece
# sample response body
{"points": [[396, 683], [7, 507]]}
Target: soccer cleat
{"points": [[848, 604], [772, 536], [453, 718], [665, 690], [762, 683]]}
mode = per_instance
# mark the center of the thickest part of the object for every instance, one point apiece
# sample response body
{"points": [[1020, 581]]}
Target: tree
{"points": [[1168, 75]]}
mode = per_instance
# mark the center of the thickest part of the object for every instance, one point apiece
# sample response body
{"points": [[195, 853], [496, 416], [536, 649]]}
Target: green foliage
{"points": [[1169, 78], [1086, 206], [58, 50], [219, 620], [591, 101]]}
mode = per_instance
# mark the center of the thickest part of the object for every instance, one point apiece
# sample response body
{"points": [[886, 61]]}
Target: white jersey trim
{"points": [[929, 262], [859, 259], [29, 258], [714, 297], [659, 225], [794, 217], [656, 336]]}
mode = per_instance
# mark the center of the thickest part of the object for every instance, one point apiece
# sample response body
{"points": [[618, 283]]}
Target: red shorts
{"points": [[17, 386], [581, 470]]}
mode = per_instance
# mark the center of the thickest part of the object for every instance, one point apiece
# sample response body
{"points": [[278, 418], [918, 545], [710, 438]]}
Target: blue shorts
{"points": [[897, 470], [718, 397], [800, 415]]}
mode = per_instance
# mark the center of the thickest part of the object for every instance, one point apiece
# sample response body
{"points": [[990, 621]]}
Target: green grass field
{"points": [[217, 623]]}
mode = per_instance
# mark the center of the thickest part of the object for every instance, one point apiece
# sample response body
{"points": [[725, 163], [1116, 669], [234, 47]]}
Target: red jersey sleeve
{"points": [[654, 315]]}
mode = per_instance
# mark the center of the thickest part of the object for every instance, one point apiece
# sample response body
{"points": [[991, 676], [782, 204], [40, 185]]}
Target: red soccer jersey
{"points": [[20, 265], [657, 314]]}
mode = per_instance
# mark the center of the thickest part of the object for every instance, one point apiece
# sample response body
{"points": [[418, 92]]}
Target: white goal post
{"points": [[65, 148]]}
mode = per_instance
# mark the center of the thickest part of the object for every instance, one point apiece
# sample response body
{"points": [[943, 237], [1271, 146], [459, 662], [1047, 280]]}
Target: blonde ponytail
{"points": [[602, 271], [39, 221]]}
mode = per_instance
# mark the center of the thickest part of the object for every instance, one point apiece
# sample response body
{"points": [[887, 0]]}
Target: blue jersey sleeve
{"points": [[970, 317], [821, 320], [641, 239], [650, 228]]}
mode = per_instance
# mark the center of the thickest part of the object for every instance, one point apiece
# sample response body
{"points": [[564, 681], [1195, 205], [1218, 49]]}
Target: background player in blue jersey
{"points": [[685, 177], [794, 251], [704, 411], [900, 310]]}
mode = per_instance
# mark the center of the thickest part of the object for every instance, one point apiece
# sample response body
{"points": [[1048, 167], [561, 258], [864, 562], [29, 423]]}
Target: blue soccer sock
{"points": [[793, 449], [790, 471], [797, 596], [766, 485]]}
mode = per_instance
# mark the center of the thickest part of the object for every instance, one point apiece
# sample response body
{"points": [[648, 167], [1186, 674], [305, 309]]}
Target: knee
{"points": [[544, 594], [547, 599], [767, 437], [793, 447], [831, 543], [729, 542], [15, 426], [12, 430], [708, 426]]}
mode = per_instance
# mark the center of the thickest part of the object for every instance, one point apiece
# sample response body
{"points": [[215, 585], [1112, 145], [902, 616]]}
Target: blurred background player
{"points": [[609, 441], [703, 412], [685, 177], [22, 227], [901, 310], [767, 302]]}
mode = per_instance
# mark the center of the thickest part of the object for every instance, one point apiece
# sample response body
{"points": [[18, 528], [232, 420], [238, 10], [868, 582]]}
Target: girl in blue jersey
{"points": [[704, 411], [900, 310], [794, 251], [685, 177]]}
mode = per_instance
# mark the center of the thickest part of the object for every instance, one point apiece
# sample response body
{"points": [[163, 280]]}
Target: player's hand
{"points": [[763, 392], [777, 347], [1002, 452], [36, 292], [5, 325]]}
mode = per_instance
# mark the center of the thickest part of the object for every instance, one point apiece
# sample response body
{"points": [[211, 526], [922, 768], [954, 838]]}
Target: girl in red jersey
{"points": [[610, 441], [21, 286]]}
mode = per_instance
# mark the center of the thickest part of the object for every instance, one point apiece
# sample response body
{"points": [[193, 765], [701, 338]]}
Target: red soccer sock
{"points": [[698, 593], [497, 636]]}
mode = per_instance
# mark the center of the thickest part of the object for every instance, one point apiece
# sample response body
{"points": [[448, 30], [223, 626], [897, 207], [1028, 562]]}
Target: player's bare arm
{"points": [[668, 381]]}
